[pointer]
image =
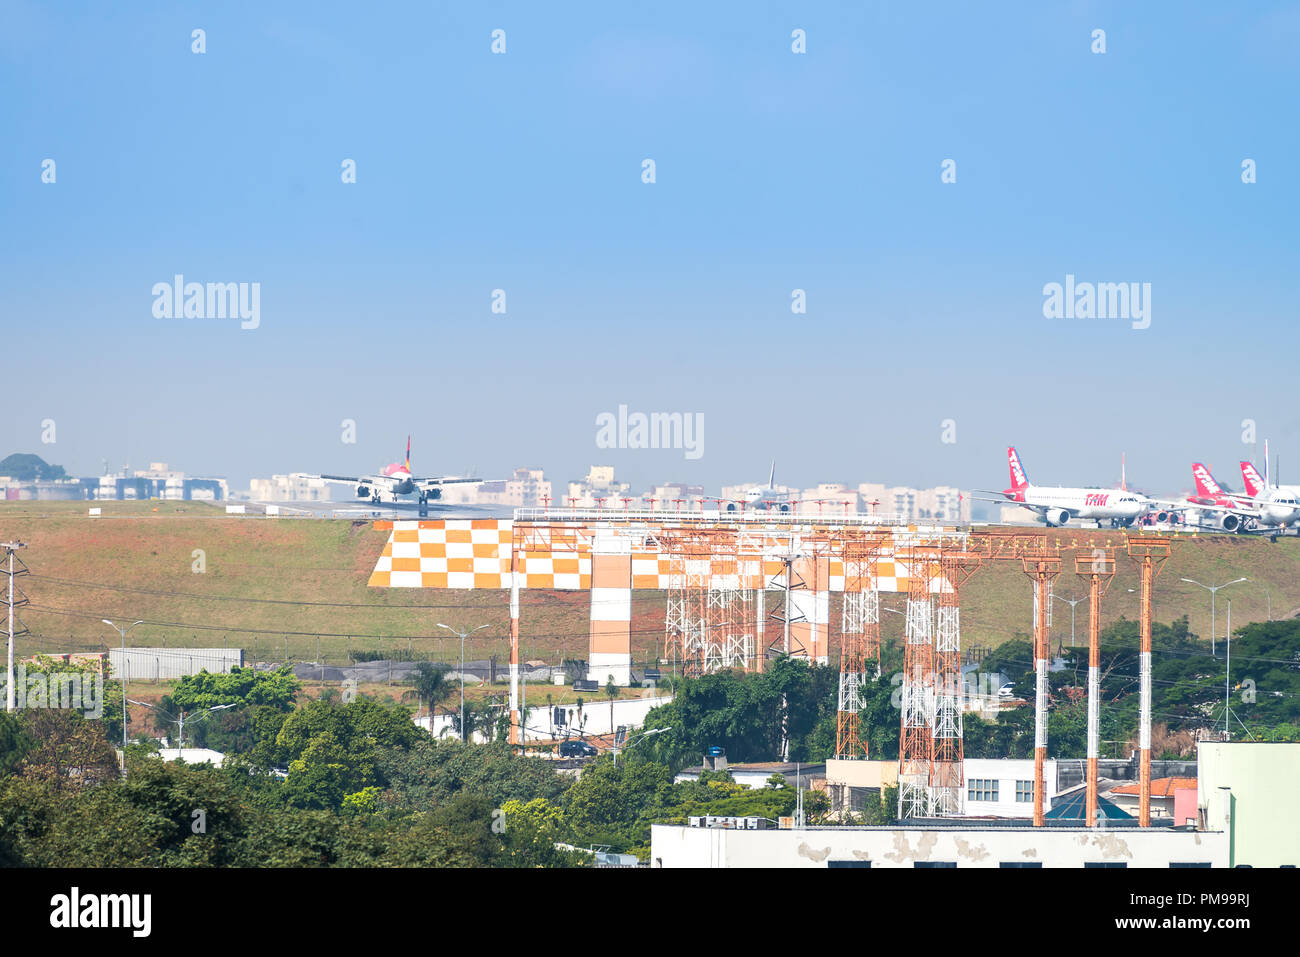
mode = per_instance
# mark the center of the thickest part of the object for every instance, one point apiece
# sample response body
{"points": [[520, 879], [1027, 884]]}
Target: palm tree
{"points": [[611, 690], [431, 683]]}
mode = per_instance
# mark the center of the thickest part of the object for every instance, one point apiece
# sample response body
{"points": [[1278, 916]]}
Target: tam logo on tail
{"points": [[1206, 486], [1254, 481], [1018, 478]]}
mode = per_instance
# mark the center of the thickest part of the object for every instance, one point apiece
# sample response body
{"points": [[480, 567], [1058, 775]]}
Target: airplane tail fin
{"points": [[1019, 479], [771, 477], [1254, 481], [408, 453], [1123, 480], [1206, 486]]}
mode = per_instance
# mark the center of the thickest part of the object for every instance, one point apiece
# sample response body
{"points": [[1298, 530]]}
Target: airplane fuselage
{"points": [[1087, 503]]}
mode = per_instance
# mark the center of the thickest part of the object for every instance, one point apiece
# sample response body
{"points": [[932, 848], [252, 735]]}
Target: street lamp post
{"points": [[462, 635], [1071, 602], [1212, 589], [180, 722], [644, 735], [123, 664]]}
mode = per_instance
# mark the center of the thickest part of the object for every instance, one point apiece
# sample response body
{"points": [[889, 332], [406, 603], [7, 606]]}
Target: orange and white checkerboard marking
{"points": [[475, 553]]}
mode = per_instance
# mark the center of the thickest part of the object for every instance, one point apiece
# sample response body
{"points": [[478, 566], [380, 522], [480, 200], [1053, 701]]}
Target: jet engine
{"points": [[363, 492], [1057, 516], [1229, 522]]}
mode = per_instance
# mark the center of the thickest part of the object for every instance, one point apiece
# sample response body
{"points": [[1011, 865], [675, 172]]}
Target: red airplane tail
{"points": [[1206, 486], [1019, 480], [1254, 481]]}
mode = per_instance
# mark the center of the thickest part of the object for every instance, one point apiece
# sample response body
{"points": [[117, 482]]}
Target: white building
{"points": [[294, 487], [938, 846], [599, 490], [1004, 787], [527, 488], [828, 498]]}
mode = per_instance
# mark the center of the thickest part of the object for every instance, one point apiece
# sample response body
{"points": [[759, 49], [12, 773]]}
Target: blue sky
{"points": [[775, 171]]}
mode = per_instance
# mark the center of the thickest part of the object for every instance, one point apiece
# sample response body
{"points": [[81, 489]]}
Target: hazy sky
{"points": [[774, 171]]}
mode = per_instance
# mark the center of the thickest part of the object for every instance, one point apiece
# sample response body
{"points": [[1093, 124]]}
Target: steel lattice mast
{"points": [[859, 642], [946, 775], [915, 751]]}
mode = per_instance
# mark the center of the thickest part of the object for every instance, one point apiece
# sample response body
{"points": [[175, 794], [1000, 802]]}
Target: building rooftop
{"points": [[1073, 807], [1160, 787]]}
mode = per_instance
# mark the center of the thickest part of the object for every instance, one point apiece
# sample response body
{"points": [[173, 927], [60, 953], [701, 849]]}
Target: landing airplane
{"points": [[768, 497], [1058, 505], [396, 479]]}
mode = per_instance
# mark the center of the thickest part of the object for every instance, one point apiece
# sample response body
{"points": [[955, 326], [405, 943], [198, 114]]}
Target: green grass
{"points": [[144, 551]]}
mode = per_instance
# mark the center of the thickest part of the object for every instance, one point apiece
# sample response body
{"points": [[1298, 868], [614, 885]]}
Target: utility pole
{"points": [[16, 567]]}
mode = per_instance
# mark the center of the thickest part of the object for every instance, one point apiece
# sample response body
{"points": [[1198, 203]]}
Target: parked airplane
{"points": [[1058, 505], [396, 479], [1231, 514], [1278, 504]]}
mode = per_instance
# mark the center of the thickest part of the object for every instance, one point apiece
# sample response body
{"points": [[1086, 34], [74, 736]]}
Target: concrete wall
{"points": [[1257, 784], [675, 846]]}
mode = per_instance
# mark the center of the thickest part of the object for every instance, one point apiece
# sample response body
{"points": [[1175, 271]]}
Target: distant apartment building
{"points": [[828, 498], [675, 496], [527, 488], [294, 487], [941, 504], [599, 489]]}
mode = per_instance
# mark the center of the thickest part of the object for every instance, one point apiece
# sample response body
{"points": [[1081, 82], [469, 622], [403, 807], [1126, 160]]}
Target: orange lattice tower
{"points": [[915, 747], [859, 638], [956, 565]]}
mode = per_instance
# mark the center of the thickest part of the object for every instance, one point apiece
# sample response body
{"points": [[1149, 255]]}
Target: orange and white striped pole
{"points": [[517, 734], [610, 648]]}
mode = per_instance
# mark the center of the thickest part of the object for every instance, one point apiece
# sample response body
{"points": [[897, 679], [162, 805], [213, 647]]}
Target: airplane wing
{"points": [[1186, 506], [377, 481], [428, 483]]}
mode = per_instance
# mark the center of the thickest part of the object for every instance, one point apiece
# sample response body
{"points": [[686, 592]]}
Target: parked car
{"points": [[1008, 690], [577, 749]]}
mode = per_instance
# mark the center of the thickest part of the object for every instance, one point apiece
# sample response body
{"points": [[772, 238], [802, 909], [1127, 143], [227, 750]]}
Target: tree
{"points": [[431, 683], [611, 692], [70, 751], [14, 742], [245, 686]]}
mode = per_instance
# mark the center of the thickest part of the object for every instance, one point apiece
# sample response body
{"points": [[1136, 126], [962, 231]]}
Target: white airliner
{"points": [[1058, 505], [1277, 504], [396, 480], [767, 498]]}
